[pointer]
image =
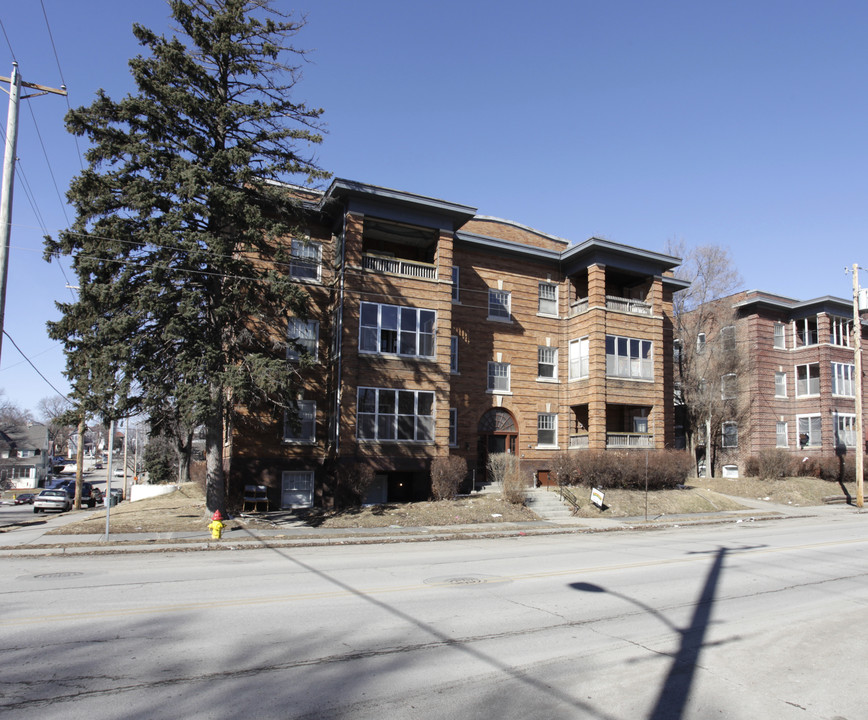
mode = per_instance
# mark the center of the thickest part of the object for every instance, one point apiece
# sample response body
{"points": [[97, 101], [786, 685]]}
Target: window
{"points": [[303, 334], [843, 375], [453, 354], [306, 260], [806, 331], [700, 343], [808, 379], [453, 427], [304, 429], [498, 305], [845, 429], [498, 377], [579, 358], [809, 430], [629, 358], [730, 435], [780, 384], [395, 415], [547, 363], [727, 337], [780, 336], [728, 386], [394, 330], [781, 436], [547, 429], [297, 489], [548, 299], [840, 331], [456, 294]]}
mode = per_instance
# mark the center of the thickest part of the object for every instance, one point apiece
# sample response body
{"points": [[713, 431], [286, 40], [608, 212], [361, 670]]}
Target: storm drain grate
{"points": [[464, 580]]}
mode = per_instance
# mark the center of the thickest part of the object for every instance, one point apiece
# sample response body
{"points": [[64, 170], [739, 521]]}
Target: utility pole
{"points": [[15, 85], [860, 437]]}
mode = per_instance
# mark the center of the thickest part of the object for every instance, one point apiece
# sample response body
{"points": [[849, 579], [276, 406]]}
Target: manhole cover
{"points": [[464, 580], [51, 576]]}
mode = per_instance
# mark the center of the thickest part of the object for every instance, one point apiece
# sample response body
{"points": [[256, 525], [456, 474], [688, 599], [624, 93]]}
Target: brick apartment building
{"points": [[440, 332], [800, 378]]}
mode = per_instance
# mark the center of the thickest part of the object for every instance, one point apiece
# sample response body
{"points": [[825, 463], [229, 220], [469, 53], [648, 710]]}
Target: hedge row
{"points": [[629, 470], [777, 464]]}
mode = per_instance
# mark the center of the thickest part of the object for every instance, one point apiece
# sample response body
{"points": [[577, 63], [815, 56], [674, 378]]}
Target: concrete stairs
{"points": [[548, 505]]}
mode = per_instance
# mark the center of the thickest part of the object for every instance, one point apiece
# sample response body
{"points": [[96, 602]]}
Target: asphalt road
{"points": [[750, 620]]}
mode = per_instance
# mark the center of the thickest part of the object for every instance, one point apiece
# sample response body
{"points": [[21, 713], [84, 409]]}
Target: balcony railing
{"points": [[637, 307], [578, 307], [579, 442], [629, 440], [397, 266]]}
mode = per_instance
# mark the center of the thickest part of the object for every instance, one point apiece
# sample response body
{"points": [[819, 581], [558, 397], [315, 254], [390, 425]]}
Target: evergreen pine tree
{"points": [[176, 241]]}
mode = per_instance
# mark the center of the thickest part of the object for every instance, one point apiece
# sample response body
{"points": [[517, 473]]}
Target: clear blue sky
{"points": [[740, 124]]}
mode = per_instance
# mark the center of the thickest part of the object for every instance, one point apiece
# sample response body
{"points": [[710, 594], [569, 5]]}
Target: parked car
{"points": [[24, 499], [88, 496], [52, 500]]}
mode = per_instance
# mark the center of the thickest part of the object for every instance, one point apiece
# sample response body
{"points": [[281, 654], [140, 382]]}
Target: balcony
{"points": [[579, 307], [397, 266], [579, 442], [619, 304], [629, 441]]}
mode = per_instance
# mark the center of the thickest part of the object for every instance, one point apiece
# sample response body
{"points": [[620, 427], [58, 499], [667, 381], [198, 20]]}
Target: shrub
{"points": [[446, 475], [161, 460], [771, 464], [503, 469], [632, 469], [351, 483], [565, 468]]}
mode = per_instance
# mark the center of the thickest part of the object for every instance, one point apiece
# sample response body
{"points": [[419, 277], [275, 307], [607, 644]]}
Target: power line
{"points": [[47, 381]]}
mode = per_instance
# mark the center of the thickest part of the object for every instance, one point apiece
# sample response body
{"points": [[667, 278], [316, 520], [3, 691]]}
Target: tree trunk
{"points": [[79, 463], [215, 480], [185, 455]]}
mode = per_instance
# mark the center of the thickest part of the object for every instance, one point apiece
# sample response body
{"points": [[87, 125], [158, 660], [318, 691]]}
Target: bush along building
{"points": [[434, 331], [792, 388]]}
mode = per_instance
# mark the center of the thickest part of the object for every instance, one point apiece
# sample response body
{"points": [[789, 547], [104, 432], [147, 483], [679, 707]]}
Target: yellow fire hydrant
{"points": [[216, 525]]}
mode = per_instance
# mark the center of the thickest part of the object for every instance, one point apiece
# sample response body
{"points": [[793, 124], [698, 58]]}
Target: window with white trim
{"points": [[305, 262], [810, 430], [845, 429], [453, 354], [498, 304], [395, 415], [579, 358], [808, 379], [498, 377], [303, 337], [547, 430], [700, 343], [453, 427], [297, 488], [548, 299], [780, 336], [780, 384], [303, 429], [806, 331], [781, 435], [629, 358], [547, 363], [396, 330], [840, 331], [843, 376], [456, 288], [729, 435]]}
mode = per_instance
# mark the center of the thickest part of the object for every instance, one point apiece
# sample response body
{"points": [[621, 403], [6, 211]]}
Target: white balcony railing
{"points": [[397, 266], [579, 442], [637, 307], [578, 307], [629, 440]]}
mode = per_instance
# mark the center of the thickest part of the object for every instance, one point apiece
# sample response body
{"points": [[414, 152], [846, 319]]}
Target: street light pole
{"points": [[857, 336]]}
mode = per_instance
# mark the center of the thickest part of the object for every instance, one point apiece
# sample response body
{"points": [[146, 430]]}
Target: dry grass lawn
{"points": [[184, 510]]}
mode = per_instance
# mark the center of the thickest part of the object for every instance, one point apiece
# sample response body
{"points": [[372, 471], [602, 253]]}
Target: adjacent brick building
{"points": [[437, 331], [801, 378]]}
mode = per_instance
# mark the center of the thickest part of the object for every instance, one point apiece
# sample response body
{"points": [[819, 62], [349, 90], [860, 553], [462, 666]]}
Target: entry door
{"points": [[297, 489]]}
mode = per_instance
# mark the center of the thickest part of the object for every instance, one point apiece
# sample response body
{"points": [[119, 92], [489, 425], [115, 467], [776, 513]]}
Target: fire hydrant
{"points": [[216, 525]]}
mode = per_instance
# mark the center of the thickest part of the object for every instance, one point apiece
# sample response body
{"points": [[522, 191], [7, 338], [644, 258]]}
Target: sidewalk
{"points": [[33, 540]]}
